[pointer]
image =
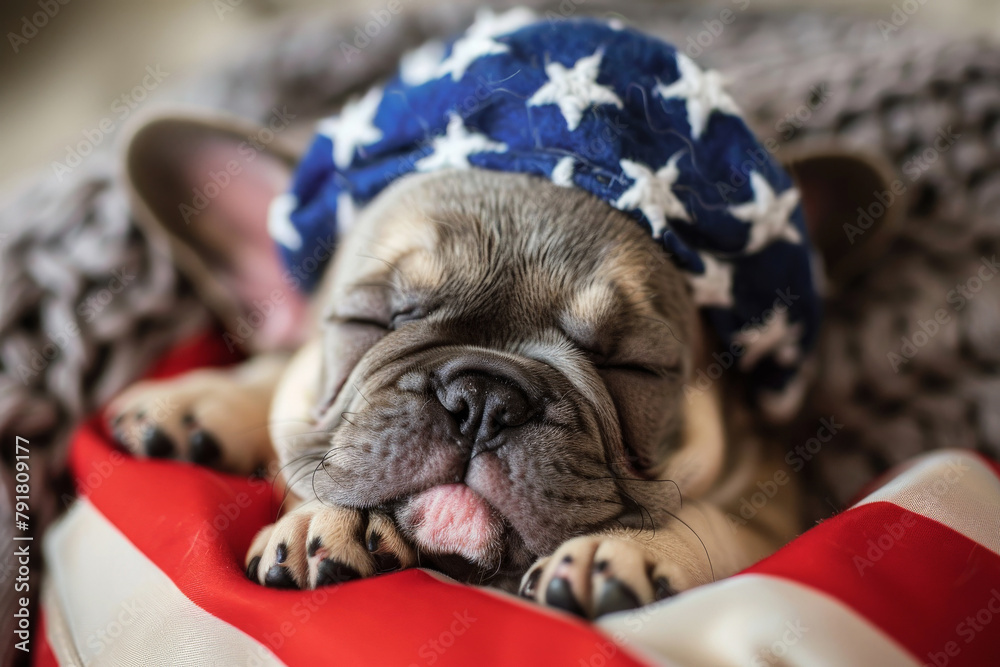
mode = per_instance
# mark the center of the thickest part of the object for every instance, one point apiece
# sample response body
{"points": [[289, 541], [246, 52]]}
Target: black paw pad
{"points": [[314, 546], [281, 553], [278, 576], [616, 596], [334, 572], [157, 444], [252, 568], [559, 594], [205, 448]]}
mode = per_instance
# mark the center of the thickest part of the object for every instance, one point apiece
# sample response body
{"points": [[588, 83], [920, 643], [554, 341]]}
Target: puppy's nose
{"points": [[484, 405]]}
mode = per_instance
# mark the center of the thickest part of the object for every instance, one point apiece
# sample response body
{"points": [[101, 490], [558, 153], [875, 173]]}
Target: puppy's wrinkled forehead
{"points": [[492, 253]]}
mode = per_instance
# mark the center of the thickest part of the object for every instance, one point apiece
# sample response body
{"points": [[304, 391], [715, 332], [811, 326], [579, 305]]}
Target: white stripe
{"points": [[116, 607], [752, 620], [952, 487]]}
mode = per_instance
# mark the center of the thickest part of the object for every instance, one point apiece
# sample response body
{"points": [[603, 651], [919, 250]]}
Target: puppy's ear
{"points": [[853, 204], [205, 184]]}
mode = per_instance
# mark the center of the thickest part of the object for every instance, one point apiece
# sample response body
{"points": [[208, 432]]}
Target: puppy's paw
{"points": [[206, 417], [318, 545], [594, 575]]}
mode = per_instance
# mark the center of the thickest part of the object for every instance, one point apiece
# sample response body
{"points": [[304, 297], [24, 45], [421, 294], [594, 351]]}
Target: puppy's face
{"points": [[503, 368]]}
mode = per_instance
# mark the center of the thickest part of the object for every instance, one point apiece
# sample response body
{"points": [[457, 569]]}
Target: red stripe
{"points": [[990, 463], [913, 577], [196, 525], [42, 656]]}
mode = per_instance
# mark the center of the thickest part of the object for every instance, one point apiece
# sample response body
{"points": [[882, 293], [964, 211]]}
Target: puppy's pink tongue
{"points": [[454, 519]]}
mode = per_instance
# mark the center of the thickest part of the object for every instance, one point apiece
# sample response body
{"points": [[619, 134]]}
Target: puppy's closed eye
{"points": [[405, 315], [379, 306]]}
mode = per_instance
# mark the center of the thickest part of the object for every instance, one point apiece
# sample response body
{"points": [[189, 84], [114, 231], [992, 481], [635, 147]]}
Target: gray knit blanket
{"points": [[88, 300]]}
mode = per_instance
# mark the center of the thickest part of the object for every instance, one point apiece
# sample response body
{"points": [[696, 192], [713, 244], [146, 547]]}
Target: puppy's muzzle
{"points": [[485, 396]]}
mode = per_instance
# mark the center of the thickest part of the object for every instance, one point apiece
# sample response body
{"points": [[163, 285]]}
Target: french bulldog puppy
{"points": [[494, 380]]}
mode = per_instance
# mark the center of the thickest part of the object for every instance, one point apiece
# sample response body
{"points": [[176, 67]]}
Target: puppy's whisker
{"points": [[666, 324], [392, 267], [360, 393], [637, 505], [641, 480], [702, 542]]}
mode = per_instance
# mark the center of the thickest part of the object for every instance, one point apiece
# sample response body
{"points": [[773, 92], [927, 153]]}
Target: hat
{"points": [[589, 104]]}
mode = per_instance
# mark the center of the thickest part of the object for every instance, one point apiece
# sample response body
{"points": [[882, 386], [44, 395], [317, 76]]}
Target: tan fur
{"points": [[713, 465]]}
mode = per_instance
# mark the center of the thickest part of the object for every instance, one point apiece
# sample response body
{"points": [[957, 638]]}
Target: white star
{"points": [[616, 22], [478, 39], [703, 92], [653, 193], [574, 89], [279, 222], [769, 216], [562, 173], [421, 65], [776, 336], [454, 148], [714, 287], [353, 128], [346, 212]]}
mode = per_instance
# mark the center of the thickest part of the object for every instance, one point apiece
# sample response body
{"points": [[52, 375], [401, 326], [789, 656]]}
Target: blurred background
{"points": [[58, 81]]}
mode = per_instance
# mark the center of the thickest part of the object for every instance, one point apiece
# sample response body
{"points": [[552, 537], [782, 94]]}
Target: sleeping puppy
{"points": [[496, 379]]}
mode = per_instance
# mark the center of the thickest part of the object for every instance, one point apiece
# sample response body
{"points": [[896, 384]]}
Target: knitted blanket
{"points": [[909, 357]]}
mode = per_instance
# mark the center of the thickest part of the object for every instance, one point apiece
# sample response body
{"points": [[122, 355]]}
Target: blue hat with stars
{"points": [[593, 105]]}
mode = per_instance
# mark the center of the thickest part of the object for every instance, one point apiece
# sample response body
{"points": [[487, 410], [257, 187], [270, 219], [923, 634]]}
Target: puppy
{"points": [[494, 379]]}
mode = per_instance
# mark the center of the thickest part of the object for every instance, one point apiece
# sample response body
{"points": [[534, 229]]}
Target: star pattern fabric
{"points": [[652, 193], [574, 89], [770, 216], [584, 104], [454, 148], [777, 337], [702, 93], [279, 222], [714, 287], [479, 41], [353, 128]]}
